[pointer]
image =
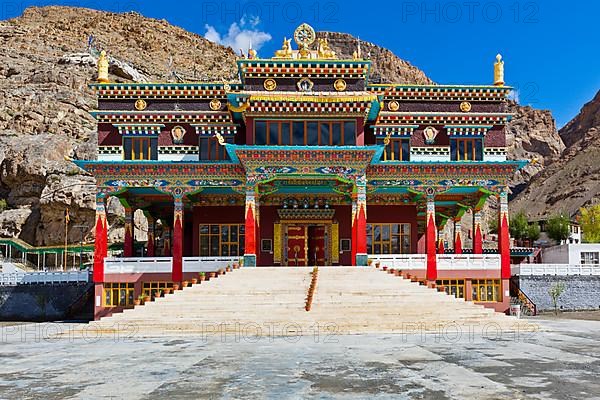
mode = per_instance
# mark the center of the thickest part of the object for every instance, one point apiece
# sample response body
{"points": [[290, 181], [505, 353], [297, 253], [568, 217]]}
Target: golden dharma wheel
{"points": [[465, 106], [393, 105]]}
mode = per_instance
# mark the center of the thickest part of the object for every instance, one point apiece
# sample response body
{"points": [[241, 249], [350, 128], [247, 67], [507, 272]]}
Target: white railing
{"points": [[31, 278], [137, 265], [468, 262], [207, 264], [555, 269], [400, 261], [444, 261]]}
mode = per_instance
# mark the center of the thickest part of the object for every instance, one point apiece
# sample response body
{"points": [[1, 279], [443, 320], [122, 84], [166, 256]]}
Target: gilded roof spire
{"points": [[499, 71], [103, 68]]}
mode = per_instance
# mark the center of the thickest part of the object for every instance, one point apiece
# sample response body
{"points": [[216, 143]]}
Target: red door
{"points": [[316, 245], [297, 246]]}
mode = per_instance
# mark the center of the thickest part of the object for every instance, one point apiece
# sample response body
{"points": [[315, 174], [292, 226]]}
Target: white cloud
{"points": [[240, 36]]}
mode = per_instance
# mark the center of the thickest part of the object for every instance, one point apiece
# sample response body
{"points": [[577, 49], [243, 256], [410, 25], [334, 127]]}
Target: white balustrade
{"points": [[138, 265], [556, 269], [444, 261], [207, 264], [453, 262], [400, 261], [30, 278]]}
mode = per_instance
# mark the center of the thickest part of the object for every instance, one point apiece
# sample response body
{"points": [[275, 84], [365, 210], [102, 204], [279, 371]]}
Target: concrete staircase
{"points": [[270, 301]]}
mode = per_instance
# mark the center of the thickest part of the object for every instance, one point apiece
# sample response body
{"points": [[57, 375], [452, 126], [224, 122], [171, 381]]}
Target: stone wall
{"points": [[46, 302], [582, 292]]}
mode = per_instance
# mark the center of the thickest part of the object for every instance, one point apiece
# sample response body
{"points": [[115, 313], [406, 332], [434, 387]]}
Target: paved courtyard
{"points": [[560, 362]]}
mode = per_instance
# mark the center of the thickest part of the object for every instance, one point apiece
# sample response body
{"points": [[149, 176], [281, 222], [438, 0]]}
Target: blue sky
{"points": [[551, 48]]}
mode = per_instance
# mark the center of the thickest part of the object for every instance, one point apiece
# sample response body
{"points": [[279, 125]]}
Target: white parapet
{"points": [[43, 278], [207, 264], [445, 262], [430, 153], [556, 269], [138, 265]]}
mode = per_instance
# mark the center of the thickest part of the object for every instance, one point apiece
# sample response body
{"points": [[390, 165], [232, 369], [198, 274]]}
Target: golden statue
{"points": [[323, 49], [499, 71], [286, 49], [103, 68]]}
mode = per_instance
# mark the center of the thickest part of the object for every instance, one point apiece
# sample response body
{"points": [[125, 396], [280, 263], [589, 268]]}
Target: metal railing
{"points": [[44, 278], [555, 269]]}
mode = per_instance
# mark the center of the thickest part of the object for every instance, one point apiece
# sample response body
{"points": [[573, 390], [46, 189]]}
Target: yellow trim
{"points": [[313, 98]]}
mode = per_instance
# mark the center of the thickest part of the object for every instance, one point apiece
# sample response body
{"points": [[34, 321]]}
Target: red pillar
{"points": [[504, 236], [150, 244], [431, 234], [177, 244], [441, 248], [101, 242], [359, 224], [457, 237], [129, 236], [251, 229], [477, 235]]}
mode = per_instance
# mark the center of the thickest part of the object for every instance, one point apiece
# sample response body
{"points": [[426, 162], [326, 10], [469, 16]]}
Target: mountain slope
{"points": [[573, 180]]}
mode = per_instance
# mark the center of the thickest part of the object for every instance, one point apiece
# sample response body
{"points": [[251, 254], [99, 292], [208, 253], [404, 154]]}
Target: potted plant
{"points": [[220, 271], [157, 294], [139, 300], [210, 275], [369, 261], [167, 291], [201, 276], [194, 281], [175, 286], [184, 284], [377, 264], [146, 297], [236, 265]]}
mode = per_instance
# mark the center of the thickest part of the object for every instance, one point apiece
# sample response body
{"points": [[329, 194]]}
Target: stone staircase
{"points": [[270, 301]]}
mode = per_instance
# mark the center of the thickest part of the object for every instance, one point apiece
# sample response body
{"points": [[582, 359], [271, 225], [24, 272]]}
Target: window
{"points": [[396, 150], [388, 238], [486, 290], [305, 133], [466, 149], [590, 257], [118, 294], [455, 287], [140, 148], [211, 149], [222, 240], [149, 288]]}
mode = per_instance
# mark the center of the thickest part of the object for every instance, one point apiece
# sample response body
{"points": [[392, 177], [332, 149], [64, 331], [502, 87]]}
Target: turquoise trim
{"points": [[519, 163]]}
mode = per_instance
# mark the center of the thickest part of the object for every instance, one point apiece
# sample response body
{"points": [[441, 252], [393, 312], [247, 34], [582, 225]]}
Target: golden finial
{"points": [[499, 71], [103, 68], [323, 49]]}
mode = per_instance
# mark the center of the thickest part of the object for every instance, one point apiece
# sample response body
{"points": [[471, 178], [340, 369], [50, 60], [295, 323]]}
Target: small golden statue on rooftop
{"points": [[499, 71], [286, 49], [103, 68], [323, 49]]}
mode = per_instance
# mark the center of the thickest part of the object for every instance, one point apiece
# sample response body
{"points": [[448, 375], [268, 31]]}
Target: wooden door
{"points": [[316, 245], [297, 245]]}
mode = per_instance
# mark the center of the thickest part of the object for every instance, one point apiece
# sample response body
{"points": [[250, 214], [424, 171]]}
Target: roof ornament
{"points": [[499, 71], [357, 54], [103, 68], [252, 54], [323, 49], [286, 49]]}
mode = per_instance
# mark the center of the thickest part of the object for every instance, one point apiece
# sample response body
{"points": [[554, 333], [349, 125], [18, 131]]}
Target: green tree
{"points": [[590, 223], [533, 232], [2, 205], [519, 226], [558, 227], [555, 291]]}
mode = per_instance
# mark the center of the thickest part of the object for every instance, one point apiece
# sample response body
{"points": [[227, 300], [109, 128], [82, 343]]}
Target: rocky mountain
{"points": [[46, 62], [573, 180], [47, 59]]}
